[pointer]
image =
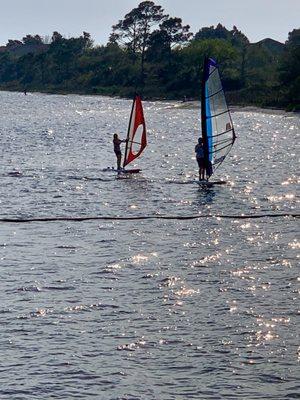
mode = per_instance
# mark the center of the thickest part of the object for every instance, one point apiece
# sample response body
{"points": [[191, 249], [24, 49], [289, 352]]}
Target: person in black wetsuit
{"points": [[117, 142], [199, 150]]}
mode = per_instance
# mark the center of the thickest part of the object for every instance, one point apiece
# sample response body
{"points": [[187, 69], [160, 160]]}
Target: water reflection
{"points": [[169, 300], [205, 196]]}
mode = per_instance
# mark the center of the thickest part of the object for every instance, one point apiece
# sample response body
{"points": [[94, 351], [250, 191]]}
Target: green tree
{"points": [[235, 37], [194, 54], [290, 69], [7, 68], [171, 33], [56, 37], [176, 33], [211, 32], [133, 32], [29, 39], [241, 42], [13, 43]]}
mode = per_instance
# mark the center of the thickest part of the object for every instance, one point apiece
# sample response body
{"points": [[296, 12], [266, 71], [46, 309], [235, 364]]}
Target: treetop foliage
{"points": [[156, 54]]}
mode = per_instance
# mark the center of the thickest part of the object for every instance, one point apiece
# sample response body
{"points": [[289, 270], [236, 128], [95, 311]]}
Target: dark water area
{"points": [[148, 309]]}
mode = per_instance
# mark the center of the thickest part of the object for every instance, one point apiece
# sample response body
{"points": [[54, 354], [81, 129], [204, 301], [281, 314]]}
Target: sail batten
{"points": [[214, 94], [217, 127], [217, 115], [222, 133], [221, 148], [222, 142]]}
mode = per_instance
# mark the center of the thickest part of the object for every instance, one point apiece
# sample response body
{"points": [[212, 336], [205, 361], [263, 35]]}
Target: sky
{"points": [[257, 19]]}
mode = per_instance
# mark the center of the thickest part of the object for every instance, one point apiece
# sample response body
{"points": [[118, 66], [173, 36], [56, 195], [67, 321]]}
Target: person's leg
{"points": [[119, 156], [199, 165], [207, 168], [201, 173], [201, 168]]}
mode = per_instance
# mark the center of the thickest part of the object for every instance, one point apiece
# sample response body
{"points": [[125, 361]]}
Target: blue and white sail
{"points": [[217, 127]]}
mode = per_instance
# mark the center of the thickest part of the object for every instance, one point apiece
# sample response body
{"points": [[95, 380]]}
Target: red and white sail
{"points": [[136, 136]]}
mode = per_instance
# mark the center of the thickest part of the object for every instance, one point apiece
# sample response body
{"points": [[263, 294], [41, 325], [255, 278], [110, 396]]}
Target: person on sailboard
{"points": [[117, 142], [199, 150]]}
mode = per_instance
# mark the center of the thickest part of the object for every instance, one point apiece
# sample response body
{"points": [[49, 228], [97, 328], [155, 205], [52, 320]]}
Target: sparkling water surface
{"points": [[150, 308]]}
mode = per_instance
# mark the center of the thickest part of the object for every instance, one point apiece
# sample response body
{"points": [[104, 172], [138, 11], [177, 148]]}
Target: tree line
{"points": [[155, 54]]}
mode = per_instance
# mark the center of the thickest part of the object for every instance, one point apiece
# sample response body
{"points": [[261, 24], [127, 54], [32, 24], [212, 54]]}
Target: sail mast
{"points": [[203, 111]]}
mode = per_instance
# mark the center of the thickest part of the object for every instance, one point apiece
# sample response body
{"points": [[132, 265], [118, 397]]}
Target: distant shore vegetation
{"points": [[156, 55]]}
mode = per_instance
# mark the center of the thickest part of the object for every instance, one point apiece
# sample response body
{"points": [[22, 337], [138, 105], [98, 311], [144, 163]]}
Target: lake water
{"points": [[151, 308]]}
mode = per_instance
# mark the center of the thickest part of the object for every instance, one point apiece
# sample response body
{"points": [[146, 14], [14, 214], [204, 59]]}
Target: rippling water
{"points": [[149, 309]]}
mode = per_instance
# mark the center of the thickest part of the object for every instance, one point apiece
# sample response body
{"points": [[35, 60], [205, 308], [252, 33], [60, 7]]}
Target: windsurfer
{"points": [[199, 150], [117, 142]]}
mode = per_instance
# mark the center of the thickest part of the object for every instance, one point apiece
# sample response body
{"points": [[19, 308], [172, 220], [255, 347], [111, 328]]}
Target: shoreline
{"points": [[181, 104]]}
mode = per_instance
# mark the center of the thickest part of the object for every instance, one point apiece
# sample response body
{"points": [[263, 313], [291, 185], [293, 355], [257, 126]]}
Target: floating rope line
{"points": [[144, 217]]}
